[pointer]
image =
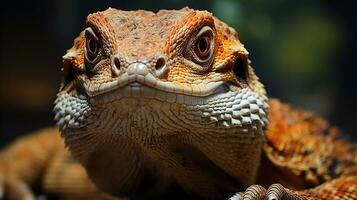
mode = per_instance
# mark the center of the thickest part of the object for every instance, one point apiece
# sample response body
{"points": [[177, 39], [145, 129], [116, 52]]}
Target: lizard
{"points": [[167, 104]]}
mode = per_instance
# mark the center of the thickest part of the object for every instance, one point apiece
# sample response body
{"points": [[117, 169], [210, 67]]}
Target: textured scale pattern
{"points": [[71, 111], [144, 116], [62, 171]]}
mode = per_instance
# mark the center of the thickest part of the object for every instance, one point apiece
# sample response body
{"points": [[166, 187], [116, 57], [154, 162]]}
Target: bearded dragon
{"points": [[167, 104]]}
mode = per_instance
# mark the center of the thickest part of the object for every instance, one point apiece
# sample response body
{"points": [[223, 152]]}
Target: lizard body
{"points": [[156, 104]]}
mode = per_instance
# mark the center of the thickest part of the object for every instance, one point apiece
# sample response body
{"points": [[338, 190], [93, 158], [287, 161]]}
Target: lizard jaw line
{"points": [[126, 79]]}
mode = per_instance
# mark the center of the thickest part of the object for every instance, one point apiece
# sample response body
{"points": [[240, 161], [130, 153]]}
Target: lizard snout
{"points": [[137, 68], [156, 65]]}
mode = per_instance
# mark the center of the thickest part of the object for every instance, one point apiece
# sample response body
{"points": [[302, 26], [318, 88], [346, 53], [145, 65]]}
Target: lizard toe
{"points": [[253, 192], [276, 192], [279, 192]]}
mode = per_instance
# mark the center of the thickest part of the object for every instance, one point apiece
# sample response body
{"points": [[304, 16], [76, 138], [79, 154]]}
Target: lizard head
{"points": [[141, 76]]}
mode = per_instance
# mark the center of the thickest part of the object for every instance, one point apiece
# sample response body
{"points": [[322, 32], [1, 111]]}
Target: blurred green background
{"points": [[302, 50]]}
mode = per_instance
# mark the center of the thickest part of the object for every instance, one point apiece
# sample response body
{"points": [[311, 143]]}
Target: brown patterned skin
{"points": [[298, 150]]}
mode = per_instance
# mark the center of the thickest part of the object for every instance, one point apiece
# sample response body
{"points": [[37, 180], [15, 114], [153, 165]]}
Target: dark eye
{"points": [[203, 46], [92, 47]]}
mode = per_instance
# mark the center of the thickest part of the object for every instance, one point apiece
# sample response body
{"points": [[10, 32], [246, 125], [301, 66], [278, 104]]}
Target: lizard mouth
{"points": [[141, 90], [138, 79]]}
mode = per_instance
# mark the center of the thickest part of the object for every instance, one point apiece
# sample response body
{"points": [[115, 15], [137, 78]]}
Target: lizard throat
{"points": [[136, 129]]}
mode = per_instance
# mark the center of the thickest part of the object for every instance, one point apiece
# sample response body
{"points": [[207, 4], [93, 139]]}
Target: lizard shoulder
{"points": [[304, 148]]}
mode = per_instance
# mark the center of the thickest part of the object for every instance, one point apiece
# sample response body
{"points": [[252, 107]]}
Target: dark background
{"points": [[302, 50]]}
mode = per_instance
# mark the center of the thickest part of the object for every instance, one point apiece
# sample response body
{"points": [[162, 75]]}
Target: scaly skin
{"points": [[166, 104]]}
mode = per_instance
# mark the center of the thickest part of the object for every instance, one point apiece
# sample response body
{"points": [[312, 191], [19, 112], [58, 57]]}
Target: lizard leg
{"points": [[2, 185], [23, 162], [302, 152]]}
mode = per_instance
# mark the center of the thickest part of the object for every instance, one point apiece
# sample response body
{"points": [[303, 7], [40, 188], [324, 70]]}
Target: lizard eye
{"points": [[201, 48], [91, 46]]}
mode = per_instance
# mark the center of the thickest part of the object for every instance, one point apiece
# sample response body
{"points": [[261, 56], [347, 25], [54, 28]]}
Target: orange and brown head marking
{"points": [[186, 46]]}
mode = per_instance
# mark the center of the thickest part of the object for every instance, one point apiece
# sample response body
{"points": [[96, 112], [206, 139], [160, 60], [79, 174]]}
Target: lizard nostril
{"points": [[160, 63], [240, 69], [116, 66], [116, 63]]}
